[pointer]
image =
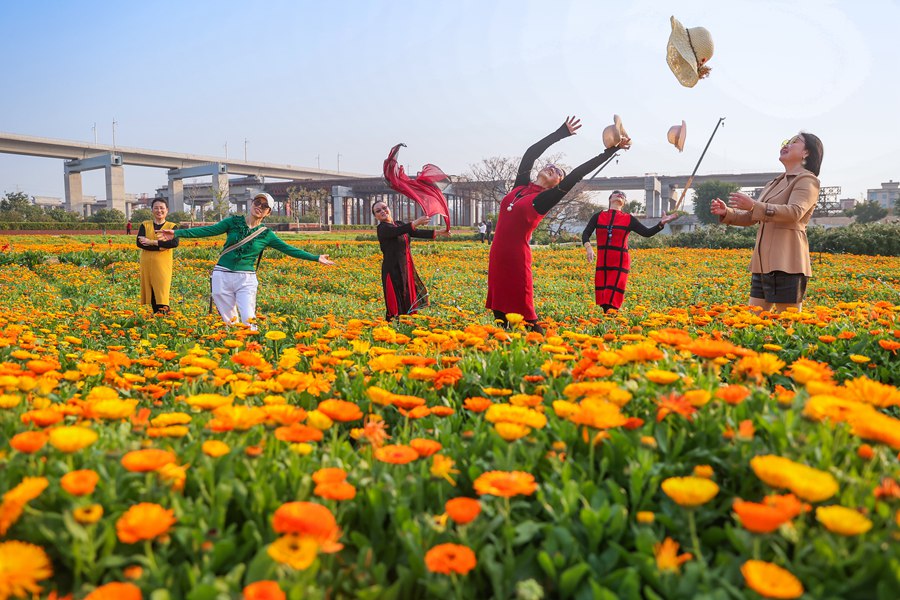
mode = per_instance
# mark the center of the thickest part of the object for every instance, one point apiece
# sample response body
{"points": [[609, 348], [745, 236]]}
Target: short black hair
{"points": [[160, 199], [813, 145]]}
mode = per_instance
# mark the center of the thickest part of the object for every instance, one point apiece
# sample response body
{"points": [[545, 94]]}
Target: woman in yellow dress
{"points": [[156, 258]]}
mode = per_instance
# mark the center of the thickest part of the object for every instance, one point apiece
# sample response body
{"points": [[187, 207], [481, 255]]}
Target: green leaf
{"points": [[571, 577]]}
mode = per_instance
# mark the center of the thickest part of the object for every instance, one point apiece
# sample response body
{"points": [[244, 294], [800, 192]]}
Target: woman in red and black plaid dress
{"points": [[613, 261]]}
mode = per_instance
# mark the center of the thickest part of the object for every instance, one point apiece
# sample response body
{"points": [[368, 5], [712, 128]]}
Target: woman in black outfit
{"points": [[613, 259], [404, 292]]}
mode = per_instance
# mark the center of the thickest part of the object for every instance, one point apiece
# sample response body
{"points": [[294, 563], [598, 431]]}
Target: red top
{"points": [[509, 269]]}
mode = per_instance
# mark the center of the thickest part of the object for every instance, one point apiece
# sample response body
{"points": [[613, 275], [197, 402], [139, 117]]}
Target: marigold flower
{"points": [[451, 558], [887, 489], [442, 468], [842, 520], [704, 471], [645, 517], [172, 418], [809, 484], [9, 400], [463, 510], [674, 403], [22, 565], [264, 590], [72, 439], [732, 394], [520, 415], [425, 447], [690, 491], [80, 483], [865, 452], [396, 454], [771, 581], [505, 484], [477, 404], [29, 442], [662, 377], [150, 459], [215, 448], [208, 401], [340, 410], [27, 490], [144, 521], [116, 591], [43, 417], [804, 370], [667, 557], [319, 420], [88, 515], [308, 519]]}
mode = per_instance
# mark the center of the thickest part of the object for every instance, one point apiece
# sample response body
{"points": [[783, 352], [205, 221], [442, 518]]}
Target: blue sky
{"points": [[457, 81]]}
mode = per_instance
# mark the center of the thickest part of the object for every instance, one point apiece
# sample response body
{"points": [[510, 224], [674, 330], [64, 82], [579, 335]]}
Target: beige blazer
{"points": [[783, 209]]}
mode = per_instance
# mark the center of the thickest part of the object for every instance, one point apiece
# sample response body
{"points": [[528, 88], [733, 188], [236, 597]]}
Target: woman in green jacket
{"points": [[234, 283]]}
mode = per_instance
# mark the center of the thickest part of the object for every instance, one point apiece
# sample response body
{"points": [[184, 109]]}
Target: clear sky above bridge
{"points": [[304, 82]]}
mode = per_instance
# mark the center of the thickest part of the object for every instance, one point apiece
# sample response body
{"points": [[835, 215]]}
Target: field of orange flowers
{"points": [[684, 448]]}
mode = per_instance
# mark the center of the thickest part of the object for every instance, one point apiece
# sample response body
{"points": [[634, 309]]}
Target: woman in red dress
{"points": [[613, 260], [510, 288]]}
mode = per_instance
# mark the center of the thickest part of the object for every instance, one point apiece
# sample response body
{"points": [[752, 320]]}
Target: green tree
{"points": [[705, 193], [868, 212], [306, 204], [61, 215], [107, 215], [634, 207], [19, 206], [140, 215]]}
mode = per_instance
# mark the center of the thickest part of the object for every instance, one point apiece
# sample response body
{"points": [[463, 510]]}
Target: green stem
{"points": [[151, 559], [695, 540]]}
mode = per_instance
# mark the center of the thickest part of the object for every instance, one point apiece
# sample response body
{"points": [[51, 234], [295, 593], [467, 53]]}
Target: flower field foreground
{"points": [[684, 448]]}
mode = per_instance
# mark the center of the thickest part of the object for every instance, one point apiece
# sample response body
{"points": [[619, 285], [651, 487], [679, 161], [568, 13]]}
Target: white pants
{"points": [[235, 292]]}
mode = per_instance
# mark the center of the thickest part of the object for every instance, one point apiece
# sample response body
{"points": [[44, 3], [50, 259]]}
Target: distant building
{"points": [[848, 203], [886, 195]]}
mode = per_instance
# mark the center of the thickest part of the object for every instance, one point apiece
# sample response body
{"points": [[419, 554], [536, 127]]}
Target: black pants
{"points": [[530, 325]]}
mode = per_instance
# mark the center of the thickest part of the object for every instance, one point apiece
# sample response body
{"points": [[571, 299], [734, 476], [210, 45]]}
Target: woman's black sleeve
{"points": [[143, 233], [388, 232], [523, 175], [639, 228], [547, 199], [589, 229], [422, 234]]}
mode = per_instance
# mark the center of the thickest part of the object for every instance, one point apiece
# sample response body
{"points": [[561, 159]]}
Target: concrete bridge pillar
{"points": [[176, 194], [115, 187], [338, 194], [74, 193], [652, 196], [220, 184]]}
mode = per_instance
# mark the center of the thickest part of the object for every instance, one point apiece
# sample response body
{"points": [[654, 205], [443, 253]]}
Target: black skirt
{"points": [[779, 287]]}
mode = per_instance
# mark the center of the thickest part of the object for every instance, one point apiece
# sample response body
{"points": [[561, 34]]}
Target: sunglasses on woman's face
{"points": [[261, 203], [557, 170], [790, 141]]}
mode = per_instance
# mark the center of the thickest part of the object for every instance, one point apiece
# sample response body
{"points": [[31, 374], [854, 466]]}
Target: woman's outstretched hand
{"points": [[323, 258], [421, 221], [718, 208], [441, 233], [740, 201], [624, 143], [166, 235], [573, 124], [668, 218]]}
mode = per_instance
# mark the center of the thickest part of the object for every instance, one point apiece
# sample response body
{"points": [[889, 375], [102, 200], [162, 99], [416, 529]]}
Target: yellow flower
{"points": [[511, 431], [173, 418], [442, 468], [809, 484], [514, 318], [662, 377], [208, 401], [520, 415], [215, 448], [667, 557], [22, 565], [645, 517], [690, 491], [297, 551], [112, 409], [275, 335], [88, 515], [842, 520], [27, 490], [859, 358], [72, 439], [302, 449], [319, 420], [9, 401]]}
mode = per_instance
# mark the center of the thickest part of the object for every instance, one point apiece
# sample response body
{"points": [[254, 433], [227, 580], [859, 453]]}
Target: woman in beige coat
{"points": [[780, 265]]}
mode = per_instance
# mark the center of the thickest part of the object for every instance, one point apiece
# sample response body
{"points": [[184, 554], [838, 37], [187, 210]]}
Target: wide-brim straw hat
{"points": [[614, 133], [687, 51], [676, 135]]}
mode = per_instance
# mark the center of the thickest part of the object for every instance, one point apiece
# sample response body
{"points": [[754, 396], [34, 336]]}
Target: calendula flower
{"points": [[842, 520], [215, 448], [26, 490], [690, 491], [264, 590], [340, 410], [667, 557], [80, 483], [88, 515], [72, 439], [451, 558], [144, 521], [809, 484], [150, 459], [505, 484], [22, 566], [462, 510], [116, 591], [275, 336], [28, 442], [771, 581], [645, 517], [662, 377], [397, 454], [308, 519], [208, 401], [442, 468], [425, 447]]}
